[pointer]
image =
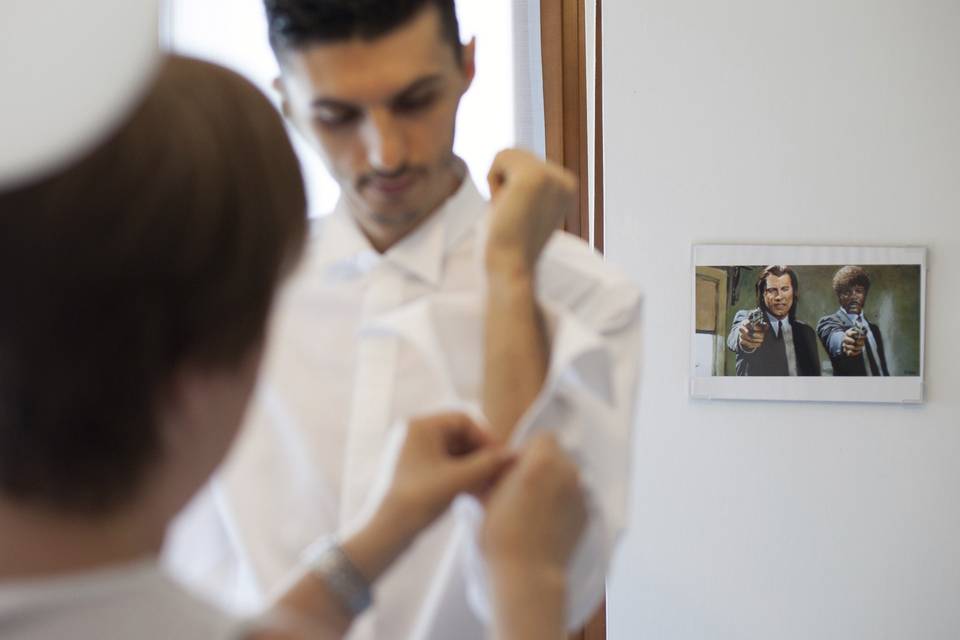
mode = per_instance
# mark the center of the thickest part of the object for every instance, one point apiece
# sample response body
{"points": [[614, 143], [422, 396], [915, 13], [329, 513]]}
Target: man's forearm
{"points": [[371, 550], [530, 605], [836, 343], [516, 346]]}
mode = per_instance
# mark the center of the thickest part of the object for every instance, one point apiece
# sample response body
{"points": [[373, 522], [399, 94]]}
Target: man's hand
{"points": [[535, 516], [537, 512], [442, 455], [853, 342], [751, 337], [530, 198]]}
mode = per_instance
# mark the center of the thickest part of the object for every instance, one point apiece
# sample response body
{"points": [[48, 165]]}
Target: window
{"points": [[233, 33]]}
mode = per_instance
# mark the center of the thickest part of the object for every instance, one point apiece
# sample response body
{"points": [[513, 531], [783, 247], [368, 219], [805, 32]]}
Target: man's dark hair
{"points": [[297, 23], [778, 270], [848, 277], [162, 248]]}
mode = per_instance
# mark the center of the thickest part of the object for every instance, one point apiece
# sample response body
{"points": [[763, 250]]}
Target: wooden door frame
{"points": [[562, 41], [563, 51]]}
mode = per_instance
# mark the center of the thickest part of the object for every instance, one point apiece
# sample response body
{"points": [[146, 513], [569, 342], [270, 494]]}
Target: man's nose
{"points": [[385, 142]]}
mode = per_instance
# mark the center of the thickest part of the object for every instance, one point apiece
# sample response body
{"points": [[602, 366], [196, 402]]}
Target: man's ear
{"points": [[469, 62], [281, 88]]}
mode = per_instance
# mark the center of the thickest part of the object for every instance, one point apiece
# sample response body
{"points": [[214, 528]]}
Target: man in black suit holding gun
{"points": [[770, 340], [855, 345]]}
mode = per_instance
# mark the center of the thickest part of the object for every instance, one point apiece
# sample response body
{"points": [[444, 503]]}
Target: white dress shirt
{"points": [[363, 341], [137, 600]]}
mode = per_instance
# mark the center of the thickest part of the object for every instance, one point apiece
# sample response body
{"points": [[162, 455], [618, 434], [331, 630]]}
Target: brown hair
{"points": [[162, 247], [778, 270], [293, 24], [847, 277]]}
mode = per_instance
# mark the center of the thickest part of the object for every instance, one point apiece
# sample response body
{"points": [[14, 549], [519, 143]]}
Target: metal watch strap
{"points": [[327, 561]]}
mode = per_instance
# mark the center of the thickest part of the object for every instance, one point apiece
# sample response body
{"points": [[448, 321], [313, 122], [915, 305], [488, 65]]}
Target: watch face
{"points": [[69, 71]]}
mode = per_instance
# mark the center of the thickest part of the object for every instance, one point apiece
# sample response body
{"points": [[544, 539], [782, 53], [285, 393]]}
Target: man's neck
{"points": [[39, 543]]}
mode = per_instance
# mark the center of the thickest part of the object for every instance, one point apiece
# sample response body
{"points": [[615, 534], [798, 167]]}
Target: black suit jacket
{"points": [[845, 365], [770, 358]]}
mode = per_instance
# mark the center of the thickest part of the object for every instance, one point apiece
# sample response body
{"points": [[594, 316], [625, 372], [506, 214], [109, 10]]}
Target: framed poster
{"points": [[842, 324]]}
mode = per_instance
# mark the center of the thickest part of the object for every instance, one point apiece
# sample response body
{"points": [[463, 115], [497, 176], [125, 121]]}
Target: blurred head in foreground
{"points": [[137, 286]]}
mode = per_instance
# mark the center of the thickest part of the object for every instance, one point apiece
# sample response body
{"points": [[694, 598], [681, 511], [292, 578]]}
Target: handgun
{"points": [[757, 320]]}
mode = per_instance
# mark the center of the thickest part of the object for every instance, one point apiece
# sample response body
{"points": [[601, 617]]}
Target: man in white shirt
{"points": [[409, 301], [125, 369], [854, 343]]}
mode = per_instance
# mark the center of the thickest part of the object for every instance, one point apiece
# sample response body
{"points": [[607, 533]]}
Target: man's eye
{"points": [[414, 103], [335, 118]]}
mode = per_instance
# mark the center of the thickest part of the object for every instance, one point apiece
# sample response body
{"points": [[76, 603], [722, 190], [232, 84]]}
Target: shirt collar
{"points": [[854, 317], [774, 320], [346, 250]]}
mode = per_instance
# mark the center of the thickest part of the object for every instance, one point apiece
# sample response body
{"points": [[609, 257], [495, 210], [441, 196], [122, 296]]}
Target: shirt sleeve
{"points": [[588, 401], [831, 334], [733, 338]]}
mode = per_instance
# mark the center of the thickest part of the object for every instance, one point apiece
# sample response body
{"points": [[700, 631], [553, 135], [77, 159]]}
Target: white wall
{"points": [[818, 121]]}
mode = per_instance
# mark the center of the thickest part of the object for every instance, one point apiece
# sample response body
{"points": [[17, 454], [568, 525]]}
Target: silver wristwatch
{"points": [[326, 560]]}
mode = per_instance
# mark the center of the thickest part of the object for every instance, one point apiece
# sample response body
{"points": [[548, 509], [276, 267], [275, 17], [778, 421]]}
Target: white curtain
{"points": [[528, 76]]}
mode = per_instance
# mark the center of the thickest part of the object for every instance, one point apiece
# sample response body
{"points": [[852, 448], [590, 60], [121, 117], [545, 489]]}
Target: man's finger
{"points": [[454, 432], [500, 170], [443, 422], [465, 437], [474, 473]]}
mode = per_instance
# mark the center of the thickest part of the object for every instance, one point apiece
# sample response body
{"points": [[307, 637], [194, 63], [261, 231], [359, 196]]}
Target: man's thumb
{"points": [[475, 472]]}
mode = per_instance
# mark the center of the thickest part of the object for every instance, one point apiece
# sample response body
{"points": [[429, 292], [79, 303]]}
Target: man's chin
{"points": [[391, 219]]}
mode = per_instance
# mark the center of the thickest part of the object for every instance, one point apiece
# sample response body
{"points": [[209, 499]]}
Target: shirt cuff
{"points": [[586, 575]]}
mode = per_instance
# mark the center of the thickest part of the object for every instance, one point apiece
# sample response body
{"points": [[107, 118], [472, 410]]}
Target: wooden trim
{"points": [[597, 628], [598, 139], [563, 50], [562, 38]]}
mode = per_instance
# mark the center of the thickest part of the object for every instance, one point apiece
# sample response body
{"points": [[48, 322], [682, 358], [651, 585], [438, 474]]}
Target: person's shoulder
{"points": [[571, 260], [803, 326], [572, 275], [830, 321]]}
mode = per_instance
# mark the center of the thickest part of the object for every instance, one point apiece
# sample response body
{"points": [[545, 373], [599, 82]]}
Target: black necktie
{"points": [[779, 329]]}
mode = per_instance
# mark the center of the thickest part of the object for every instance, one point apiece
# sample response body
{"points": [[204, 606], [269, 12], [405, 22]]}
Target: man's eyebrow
{"points": [[426, 82]]}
